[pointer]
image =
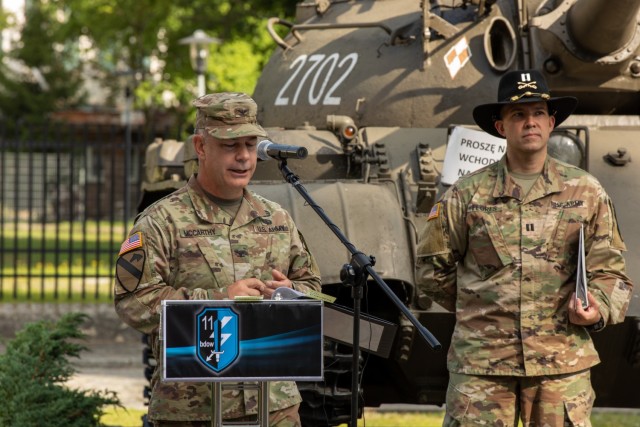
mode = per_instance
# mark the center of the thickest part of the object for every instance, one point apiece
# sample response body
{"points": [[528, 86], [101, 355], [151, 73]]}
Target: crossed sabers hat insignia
{"points": [[523, 85]]}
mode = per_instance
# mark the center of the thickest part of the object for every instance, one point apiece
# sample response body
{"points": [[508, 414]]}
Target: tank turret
{"points": [[590, 25], [591, 50], [395, 63]]}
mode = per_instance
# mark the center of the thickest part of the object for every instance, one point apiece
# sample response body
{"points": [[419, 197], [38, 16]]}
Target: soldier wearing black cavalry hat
{"points": [[500, 249]]}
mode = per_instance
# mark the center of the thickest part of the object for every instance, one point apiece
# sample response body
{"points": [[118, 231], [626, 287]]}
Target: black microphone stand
{"points": [[355, 275]]}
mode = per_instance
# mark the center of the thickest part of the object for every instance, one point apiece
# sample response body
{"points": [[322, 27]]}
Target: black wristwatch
{"points": [[598, 326]]}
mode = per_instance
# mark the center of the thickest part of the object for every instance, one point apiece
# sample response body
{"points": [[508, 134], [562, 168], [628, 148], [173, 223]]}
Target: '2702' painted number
{"points": [[319, 72]]}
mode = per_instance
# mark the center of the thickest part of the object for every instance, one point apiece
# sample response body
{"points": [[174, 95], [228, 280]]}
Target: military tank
{"points": [[374, 89]]}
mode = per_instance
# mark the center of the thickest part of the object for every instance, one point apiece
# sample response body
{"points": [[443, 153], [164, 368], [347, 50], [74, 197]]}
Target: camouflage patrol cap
{"points": [[228, 115]]}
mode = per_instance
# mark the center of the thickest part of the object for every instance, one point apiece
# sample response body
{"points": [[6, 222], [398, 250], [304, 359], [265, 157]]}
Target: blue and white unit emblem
{"points": [[218, 341]]}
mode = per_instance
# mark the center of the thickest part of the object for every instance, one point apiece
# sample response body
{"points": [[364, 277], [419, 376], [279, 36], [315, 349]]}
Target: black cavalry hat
{"points": [[518, 87]]}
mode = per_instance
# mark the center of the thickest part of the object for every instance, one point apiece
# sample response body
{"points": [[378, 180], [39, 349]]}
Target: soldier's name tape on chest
{"points": [[220, 230]]}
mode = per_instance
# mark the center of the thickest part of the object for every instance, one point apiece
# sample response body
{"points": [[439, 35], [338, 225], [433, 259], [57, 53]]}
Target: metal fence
{"points": [[68, 194]]}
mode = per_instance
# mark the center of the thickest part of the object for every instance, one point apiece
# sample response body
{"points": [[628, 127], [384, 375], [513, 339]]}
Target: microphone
{"points": [[268, 150]]}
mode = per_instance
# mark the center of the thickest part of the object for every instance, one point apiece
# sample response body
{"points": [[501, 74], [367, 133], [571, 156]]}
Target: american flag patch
{"points": [[435, 212], [134, 241]]}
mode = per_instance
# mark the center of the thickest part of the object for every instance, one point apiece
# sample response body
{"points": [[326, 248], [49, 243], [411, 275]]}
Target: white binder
{"points": [[581, 272]]}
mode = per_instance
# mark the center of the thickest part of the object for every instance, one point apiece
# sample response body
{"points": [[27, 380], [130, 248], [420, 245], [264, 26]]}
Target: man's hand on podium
{"points": [[279, 281], [255, 287], [246, 287]]}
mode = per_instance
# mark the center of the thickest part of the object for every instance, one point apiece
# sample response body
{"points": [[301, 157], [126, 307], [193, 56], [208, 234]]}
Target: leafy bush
{"points": [[33, 371]]}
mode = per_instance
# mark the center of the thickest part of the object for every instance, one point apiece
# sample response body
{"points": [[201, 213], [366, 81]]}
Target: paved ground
{"points": [[114, 359]]}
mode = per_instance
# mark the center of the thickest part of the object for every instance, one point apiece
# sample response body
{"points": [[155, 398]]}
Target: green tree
{"points": [[141, 39], [135, 44], [42, 73], [33, 371]]}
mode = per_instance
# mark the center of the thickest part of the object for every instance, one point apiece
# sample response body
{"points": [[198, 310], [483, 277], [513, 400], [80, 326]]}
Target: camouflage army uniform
{"points": [[506, 266], [185, 247]]}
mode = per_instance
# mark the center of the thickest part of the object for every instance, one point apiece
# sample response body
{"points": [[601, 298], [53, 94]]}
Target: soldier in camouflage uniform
{"points": [[500, 250], [213, 239]]}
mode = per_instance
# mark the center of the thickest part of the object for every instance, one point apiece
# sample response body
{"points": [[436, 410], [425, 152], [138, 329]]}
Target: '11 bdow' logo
{"points": [[217, 339]]}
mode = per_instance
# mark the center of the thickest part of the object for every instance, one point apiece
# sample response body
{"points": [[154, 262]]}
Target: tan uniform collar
{"points": [[549, 181], [250, 208]]}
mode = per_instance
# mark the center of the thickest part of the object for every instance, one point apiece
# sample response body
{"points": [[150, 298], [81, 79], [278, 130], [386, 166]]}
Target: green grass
{"points": [[67, 261], [372, 418], [68, 248], [400, 419], [119, 417], [131, 418], [601, 418], [61, 289]]}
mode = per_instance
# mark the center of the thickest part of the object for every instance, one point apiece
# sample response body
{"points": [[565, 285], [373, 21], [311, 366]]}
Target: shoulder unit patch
{"points": [[129, 269]]}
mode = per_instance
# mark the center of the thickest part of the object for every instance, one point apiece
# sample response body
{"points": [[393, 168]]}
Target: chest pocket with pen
{"points": [[486, 242]]}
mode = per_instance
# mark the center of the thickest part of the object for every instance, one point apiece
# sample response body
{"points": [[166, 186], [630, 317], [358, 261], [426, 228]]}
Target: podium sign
{"points": [[242, 341]]}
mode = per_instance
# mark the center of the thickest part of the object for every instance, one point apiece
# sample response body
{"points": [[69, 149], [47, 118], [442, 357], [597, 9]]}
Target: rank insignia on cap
{"points": [[133, 242], [129, 269], [435, 212]]}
